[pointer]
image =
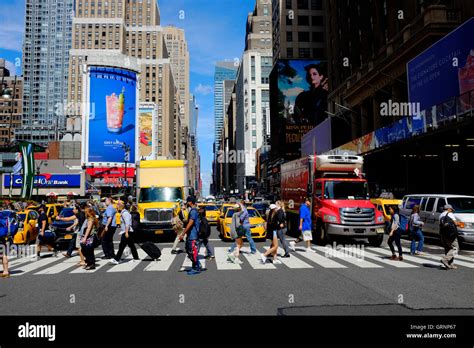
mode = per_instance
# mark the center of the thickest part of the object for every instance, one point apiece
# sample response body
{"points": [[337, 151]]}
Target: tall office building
{"points": [[126, 31], [298, 29], [11, 96], [252, 92], [47, 41], [224, 70]]}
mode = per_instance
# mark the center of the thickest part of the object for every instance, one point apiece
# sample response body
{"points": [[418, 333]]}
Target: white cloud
{"points": [[203, 89]]}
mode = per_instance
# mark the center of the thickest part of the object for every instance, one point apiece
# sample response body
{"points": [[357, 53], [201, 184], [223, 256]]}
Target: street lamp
{"points": [[38, 173], [126, 158], [11, 95]]}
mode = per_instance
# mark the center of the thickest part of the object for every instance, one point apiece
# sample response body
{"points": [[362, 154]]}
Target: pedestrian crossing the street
{"points": [[370, 258]]}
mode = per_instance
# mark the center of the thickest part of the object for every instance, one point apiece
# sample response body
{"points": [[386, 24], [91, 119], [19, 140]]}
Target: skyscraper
{"points": [[47, 41], [225, 70]]}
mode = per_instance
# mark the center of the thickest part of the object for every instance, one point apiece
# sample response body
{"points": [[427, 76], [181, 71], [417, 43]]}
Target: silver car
{"points": [[431, 207]]}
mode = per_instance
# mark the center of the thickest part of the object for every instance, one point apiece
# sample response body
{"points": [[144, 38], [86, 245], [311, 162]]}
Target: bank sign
{"points": [[47, 181]]}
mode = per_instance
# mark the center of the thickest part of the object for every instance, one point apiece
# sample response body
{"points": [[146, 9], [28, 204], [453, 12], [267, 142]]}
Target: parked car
{"points": [[212, 213], [383, 205], [262, 208], [63, 236], [27, 227], [52, 210], [431, 207], [257, 224]]}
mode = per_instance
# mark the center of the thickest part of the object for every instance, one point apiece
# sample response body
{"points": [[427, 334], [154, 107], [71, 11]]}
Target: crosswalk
{"points": [[371, 258]]}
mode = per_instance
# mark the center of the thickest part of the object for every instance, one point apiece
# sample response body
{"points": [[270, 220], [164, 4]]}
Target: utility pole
{"points": [[126, 157]]}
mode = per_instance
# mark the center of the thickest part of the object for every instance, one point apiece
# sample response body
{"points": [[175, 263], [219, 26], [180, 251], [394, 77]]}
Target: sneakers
{"points": [[133, 260], [113, 261], [263, 258], [286, 255], [277, 262], [231, 257], [400, 258], [419, 253], [192, 272], [89, 268], [446, 264], [238, 261], [253, 252], [66, 255], [309, 250], [453, 266], [394, 257], [292, 245], [210, 257]]}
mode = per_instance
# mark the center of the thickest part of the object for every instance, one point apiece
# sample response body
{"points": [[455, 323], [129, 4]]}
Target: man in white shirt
{"points": [[449, 240], [128, 235]]}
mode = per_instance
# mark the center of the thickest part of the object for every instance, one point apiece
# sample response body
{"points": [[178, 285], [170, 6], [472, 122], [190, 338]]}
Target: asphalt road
{"points": [[304, 285]]}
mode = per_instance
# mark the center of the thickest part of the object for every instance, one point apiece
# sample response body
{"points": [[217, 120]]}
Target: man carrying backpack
{"points": [[192, 233], [205, 233], [449, 236]]}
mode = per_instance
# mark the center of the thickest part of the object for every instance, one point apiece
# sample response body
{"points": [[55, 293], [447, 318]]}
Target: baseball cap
{"points": [[191, 199], [448, 206], [273, 206]]}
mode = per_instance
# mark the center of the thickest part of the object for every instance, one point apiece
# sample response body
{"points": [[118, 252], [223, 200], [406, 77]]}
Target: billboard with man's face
{"points": [[299, 105], [112, 115]]}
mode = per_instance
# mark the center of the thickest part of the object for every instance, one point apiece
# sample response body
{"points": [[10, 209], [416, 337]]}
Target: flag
{"points": [[17, 168], [28, 160]]}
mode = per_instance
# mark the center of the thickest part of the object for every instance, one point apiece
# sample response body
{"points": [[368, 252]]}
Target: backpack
{"points": [[404, 223], [447, 227], [204, 228], [4, 226], [135, 221]]}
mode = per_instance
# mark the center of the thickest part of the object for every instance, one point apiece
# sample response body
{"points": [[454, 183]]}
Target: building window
{"points": [[318, 36], [289, 36], [303, 36], [303, 20], [317, 21], [289, 52], [289, 21], [252, 70], [316, 5], [304, 53], [254, 101], [318, 53], [303, 4], [288, 4]]}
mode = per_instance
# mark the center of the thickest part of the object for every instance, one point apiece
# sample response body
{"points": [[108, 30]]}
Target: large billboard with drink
{"points": [[299, 90], [111, 118], [146, 131], [445, 70]]}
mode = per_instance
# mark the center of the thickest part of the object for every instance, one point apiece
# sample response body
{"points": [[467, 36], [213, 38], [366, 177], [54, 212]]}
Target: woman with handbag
{"points": [[273, 226], [237, 231], [395, 234], [90, 240], [415, 231]]}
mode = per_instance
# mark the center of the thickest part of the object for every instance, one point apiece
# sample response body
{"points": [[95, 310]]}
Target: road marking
{"points": [[62, 266], [34, 265], [164, 262], [222, 262], [318, 259], [407, 257], [382, 259], [438, 258], [99, 264], [359, 262], [15, 262], [255, 261], [187, 264], [128, 266], [292, 261]]}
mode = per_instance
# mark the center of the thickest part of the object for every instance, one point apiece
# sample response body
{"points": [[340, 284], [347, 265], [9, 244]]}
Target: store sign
{"points": [[110, 172], [46, 181]]}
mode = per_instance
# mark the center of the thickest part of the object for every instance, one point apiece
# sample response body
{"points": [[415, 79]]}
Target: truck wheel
{"points": [[322, 237], [376, 241]]}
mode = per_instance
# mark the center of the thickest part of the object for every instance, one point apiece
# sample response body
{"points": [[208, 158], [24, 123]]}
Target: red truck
{"points": [[339, 195]]}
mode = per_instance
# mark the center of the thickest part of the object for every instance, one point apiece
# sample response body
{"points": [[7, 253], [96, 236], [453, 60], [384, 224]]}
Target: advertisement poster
{"points": [[145, 132], [47, 181], [318, 140], [302, 87], [112, 115], [445, 70]]}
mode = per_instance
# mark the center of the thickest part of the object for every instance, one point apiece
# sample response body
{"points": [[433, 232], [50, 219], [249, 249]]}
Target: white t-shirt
{"points": [[451, 215]]}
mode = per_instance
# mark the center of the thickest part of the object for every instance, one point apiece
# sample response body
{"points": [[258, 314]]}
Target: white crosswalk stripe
{"points": [[318, 259], [126, 265], [255, 261], [407, 257], [98, 264], [347, 257], [29, 267], [164, 263], [292, 261], [15, 262], [62, 266], [187, 264], [222, 262], [383, 259], [438, 258]]}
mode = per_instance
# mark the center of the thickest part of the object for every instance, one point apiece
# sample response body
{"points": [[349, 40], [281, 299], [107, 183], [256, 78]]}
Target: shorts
{"points": [[78, 241], [3, 247], [307, 235]]}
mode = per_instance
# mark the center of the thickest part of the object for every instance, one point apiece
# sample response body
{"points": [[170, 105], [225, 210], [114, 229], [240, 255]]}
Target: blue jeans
{"points": [[248, 235], [416, 234]]}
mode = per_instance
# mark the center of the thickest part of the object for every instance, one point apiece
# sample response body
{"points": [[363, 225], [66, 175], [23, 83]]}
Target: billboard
{"points": [[300, 103], [47, 181], [111, 116], [146, 131], [318, 140], [445, 70]]}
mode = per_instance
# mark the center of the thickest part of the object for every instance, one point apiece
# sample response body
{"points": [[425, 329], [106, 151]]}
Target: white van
{"points": [[431, 207]]}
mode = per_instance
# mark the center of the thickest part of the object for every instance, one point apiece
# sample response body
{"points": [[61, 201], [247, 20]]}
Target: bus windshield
{"points": [[160, 194], [346, 190]]}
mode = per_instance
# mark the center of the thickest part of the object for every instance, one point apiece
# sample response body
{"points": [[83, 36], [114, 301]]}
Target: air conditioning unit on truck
{"points": [[160, 187], [339, 196]]}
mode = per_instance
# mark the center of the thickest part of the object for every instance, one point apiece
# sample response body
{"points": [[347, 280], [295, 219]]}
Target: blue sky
{"points": [[215, 30]]}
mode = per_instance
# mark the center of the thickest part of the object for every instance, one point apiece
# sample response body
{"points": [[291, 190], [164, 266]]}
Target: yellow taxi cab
{"points": [[383, 205], [27, 227], [212, 213], [52, 210], [257, 224], [222, 212]]}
